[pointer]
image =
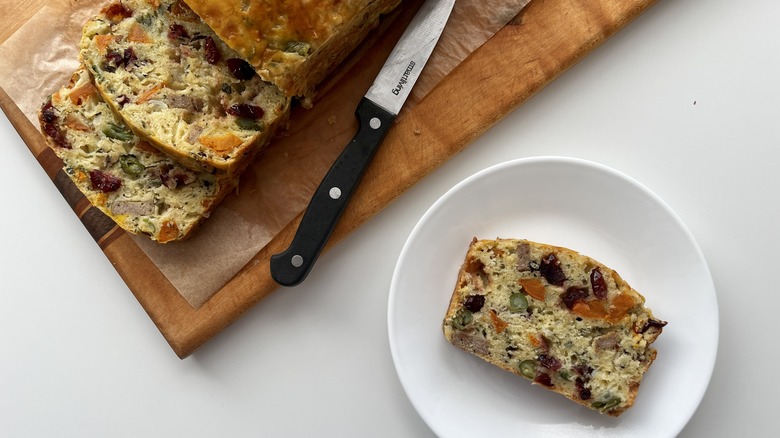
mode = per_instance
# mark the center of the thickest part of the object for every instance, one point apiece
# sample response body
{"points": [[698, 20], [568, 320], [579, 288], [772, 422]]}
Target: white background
{"points": [[685, 100]]}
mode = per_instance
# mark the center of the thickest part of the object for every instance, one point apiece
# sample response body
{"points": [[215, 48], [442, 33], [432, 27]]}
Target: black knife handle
{"points": [[291, 267]]}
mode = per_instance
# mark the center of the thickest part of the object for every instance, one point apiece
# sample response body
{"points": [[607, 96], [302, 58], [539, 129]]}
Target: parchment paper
{"points": [[41, 55]]}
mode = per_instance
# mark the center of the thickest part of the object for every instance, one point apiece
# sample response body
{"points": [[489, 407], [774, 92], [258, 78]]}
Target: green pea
{"points": [[527, 368], [517, 302], [147, 226], [607, 403], [145, 19], [249, 124], [131, 165], [462, 319], [117, 132]]}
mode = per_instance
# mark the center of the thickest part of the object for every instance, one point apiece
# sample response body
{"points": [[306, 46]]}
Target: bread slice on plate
{"points": [[140, 188], [555, 317], [175, 83], [293, 43]]}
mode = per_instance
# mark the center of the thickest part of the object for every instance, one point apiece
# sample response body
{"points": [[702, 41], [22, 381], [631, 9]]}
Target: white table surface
{"points": [[685, 100]]}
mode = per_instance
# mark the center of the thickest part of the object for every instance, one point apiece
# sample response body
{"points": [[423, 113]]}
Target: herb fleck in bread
{"points": [[140, 188], [175, 83], [556, 317], [292, 43]]}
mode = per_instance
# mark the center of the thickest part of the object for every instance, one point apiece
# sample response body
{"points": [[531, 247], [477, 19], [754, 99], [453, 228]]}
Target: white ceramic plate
{"points": [[583, 206]]}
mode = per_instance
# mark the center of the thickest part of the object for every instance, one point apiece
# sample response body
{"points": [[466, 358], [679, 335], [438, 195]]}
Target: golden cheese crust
{"points": [[292, 43]]}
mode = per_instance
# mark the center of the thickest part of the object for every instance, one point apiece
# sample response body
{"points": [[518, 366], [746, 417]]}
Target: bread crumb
{"points": [[417, 131], [331, 120]]}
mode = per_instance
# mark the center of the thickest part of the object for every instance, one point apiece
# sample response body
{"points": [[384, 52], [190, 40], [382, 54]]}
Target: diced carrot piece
{"points": [[589, 309], [168, 232], [102, 42], [620, 307], [222, 142], [149, 93], [73, 122], [78, 95], [499, 324], [137, 34], [533, 287], [101, 199], [534, 340]]}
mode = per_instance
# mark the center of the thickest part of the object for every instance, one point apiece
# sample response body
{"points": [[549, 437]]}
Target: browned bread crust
{"points": [[292, 43]]}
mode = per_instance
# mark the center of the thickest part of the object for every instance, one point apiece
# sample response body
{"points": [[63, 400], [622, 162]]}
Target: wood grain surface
{"points": [[14, 14], [546, 39]]}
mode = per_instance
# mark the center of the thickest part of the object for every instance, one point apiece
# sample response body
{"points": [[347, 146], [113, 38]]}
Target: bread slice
{"points": [[556, 317], [140, 188], [175, 83], [293, 43]]}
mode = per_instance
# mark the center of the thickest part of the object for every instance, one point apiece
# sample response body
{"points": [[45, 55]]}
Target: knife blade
{"points": [[375, 113]]}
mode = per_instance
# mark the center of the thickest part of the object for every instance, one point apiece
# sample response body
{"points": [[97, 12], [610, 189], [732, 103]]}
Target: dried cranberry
{"points": [[544, 379], [128, 57], [246, 110], [598, 284], [212, 52], [54, 132], [104, 182], [49, 118], [652, 323], [544, 343], [117, 12], [549, 362], [475, 266], [583, 370], [48, 113], [582, 391], [572, 295], [122, 100], [551, 270], [177, 32], [240, 69], [474, 303], [113, 60]]}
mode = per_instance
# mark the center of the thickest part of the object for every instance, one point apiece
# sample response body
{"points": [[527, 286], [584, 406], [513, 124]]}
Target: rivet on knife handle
{"points": [[290, 267], [376, 113]]}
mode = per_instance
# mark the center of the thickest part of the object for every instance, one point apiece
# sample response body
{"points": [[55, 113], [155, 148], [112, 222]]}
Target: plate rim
{"points": [[566, 161]]}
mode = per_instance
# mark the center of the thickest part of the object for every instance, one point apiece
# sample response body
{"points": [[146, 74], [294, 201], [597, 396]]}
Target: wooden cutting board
{"points": [[546, 39]]}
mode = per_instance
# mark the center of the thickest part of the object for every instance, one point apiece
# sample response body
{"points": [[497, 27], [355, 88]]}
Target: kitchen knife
{"points": [[375, 113]]}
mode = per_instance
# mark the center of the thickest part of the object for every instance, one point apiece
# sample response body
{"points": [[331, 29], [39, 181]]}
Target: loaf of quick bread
{"points": [[139, 187], [293, 43], [556, 317], [177, 85]]}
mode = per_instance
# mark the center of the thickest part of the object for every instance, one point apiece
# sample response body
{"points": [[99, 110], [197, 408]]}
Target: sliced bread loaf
{"points": [[175, 83], [140, 188], [293, 43], [556, 317]]}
